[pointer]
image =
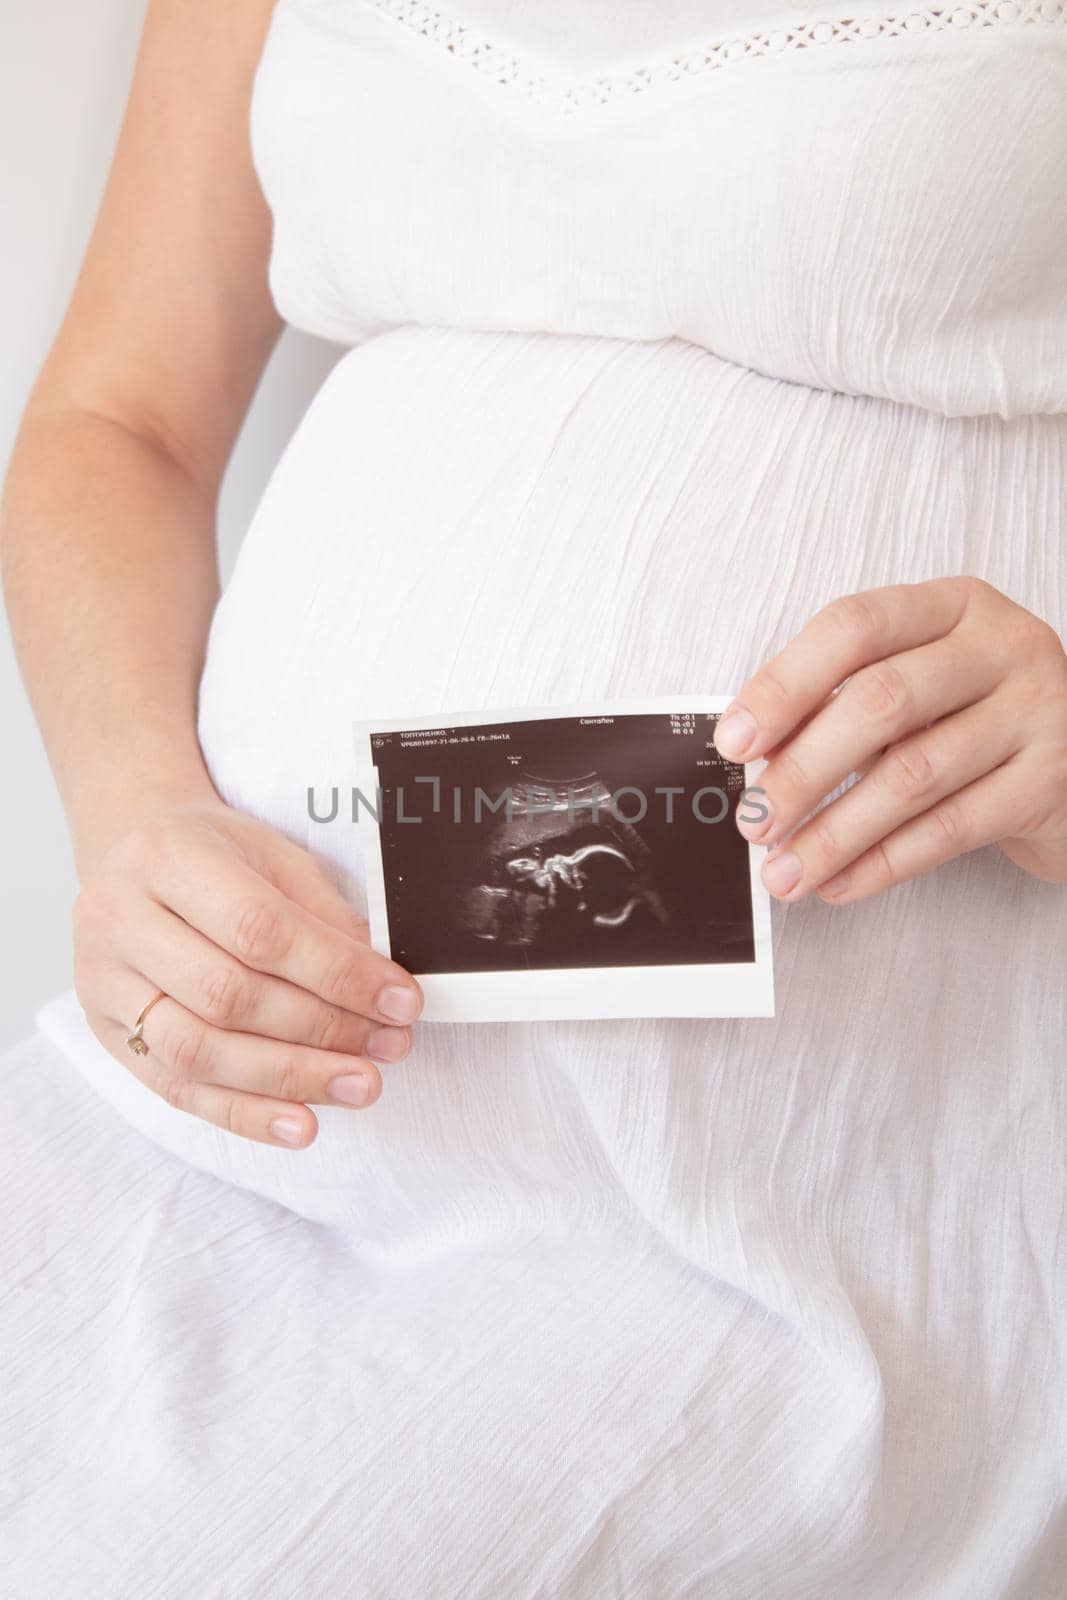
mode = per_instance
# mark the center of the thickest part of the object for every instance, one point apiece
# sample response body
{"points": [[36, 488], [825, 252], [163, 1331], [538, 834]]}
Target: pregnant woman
{"points": [[691, 347]]}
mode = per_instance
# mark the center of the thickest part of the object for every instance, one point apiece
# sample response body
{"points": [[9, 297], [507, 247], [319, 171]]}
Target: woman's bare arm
{"points": [[273, 998], [108, 528]]}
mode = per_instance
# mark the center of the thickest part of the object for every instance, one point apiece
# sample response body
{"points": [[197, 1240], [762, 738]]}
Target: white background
{"points": [[64, 72]]}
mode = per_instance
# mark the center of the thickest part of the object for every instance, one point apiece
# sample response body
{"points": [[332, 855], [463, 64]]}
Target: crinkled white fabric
{"points": [[738, 1310], [866, 197]]}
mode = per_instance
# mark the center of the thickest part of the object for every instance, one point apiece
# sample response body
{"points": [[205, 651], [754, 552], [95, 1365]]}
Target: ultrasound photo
{"points": [[564, 863]]}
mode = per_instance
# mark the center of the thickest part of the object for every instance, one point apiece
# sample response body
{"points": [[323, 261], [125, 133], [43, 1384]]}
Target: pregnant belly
{"points": [[479, 520], [469, 521]]}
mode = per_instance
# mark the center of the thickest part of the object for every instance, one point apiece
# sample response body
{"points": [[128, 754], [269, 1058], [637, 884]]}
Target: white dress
{"points": [[668, 323]]}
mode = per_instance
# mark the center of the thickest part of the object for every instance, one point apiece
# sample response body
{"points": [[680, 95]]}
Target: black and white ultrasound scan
{"points": [[567, 862]]}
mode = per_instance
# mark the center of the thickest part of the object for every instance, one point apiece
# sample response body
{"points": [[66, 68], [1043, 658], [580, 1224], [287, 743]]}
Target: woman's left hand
{"points": [[953, 705]]}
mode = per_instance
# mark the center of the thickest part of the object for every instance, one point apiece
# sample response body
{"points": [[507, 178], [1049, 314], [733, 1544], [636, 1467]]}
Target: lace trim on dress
{"points": [[500, 67]]}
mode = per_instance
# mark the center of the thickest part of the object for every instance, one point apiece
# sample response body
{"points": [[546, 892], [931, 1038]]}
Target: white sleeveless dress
{"points": [[668, 323]]}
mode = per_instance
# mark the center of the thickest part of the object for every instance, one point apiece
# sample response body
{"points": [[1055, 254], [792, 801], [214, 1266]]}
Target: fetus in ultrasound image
{"points": [[555, 882], [562, 842]]}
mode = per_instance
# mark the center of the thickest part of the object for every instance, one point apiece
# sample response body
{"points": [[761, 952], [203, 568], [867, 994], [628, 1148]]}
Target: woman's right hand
{"points": [[274, 998]]}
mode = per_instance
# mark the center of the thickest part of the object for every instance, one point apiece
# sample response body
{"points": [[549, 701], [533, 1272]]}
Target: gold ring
{"points": [[136, 1042]]}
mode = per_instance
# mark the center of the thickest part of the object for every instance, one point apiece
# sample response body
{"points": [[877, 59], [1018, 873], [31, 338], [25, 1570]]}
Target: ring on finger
{"points": [[135, 1039]]}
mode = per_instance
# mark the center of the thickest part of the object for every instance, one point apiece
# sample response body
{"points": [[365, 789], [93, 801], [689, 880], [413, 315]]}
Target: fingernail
{"points": [[736, 734], [355, 1089], [834, 886], [399, 1005], [386, 1045], [782, 873], [288, 1130], [757, 827]]}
